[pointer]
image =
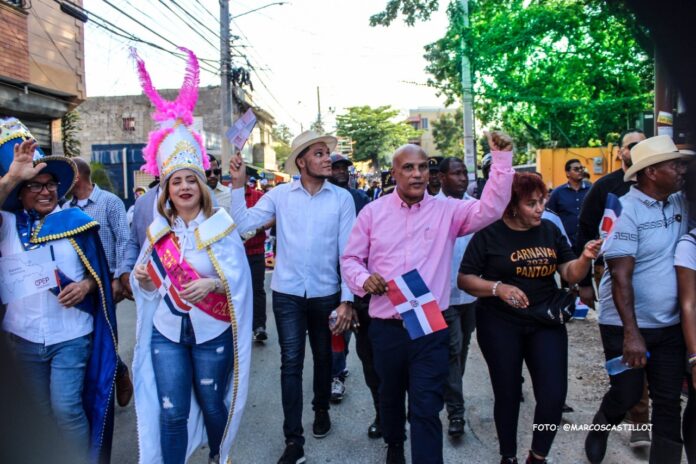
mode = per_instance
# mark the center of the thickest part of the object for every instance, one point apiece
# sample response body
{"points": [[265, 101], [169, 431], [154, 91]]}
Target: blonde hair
{"points": [[169, 211]]}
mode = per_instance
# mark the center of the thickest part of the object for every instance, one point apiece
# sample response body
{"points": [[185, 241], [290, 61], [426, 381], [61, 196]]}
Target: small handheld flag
{"points": [[612, 211], [415, 304]]}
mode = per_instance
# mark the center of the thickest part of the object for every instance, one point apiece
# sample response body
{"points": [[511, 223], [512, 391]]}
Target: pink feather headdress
{"points": [[170, 115]]}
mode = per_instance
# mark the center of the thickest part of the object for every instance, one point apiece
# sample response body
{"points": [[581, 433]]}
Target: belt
{"points": [[394, 322]]}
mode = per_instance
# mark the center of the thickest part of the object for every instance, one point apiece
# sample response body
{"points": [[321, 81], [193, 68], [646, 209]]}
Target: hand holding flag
{"points": [[415, 304]]}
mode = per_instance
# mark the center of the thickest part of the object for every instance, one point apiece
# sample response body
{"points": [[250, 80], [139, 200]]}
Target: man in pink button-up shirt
{"points": [[407, 230]]}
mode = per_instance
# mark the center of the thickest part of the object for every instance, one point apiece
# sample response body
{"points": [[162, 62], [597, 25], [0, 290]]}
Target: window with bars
{"points": [[129, 124]]}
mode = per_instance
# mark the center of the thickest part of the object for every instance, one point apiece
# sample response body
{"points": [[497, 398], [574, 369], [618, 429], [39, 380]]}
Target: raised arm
{"points": [[21, 169], [474, 215], [261, 213]]}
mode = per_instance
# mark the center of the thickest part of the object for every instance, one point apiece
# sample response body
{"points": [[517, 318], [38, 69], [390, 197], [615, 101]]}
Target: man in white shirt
{"points": [[313, 221], [461, 314]]}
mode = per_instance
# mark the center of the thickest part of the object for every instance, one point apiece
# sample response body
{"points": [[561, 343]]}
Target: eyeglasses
{"points": [[209, 172], [36, 187], [577, 168]]}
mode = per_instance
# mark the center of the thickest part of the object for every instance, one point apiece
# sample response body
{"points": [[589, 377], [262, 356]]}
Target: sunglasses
{"points": [[36, 187], [209, 172], [631, 145], [577, 169]]}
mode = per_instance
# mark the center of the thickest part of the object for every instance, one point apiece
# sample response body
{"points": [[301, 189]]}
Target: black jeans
{"points": [[363, 347], [461, 322], [257, 264], [505, 344], [418, 367], [296, 317], [689, 424], [665, 371]]}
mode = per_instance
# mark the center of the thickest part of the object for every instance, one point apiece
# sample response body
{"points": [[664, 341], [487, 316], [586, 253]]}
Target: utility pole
{"points": [[319, 124], [225, 86], [468, 102]]}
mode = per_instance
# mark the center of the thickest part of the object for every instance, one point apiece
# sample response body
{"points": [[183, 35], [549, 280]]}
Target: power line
{"points": [[215, 34], [120, 32], [215, 47], [204, 8]]}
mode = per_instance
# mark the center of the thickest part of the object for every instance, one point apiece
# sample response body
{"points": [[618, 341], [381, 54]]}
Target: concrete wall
{"points": [[550, 162], [102, 123]]}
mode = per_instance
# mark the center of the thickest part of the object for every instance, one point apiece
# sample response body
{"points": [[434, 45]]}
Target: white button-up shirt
{"points": [[458, 296], [205, 327], [312, 231], [40, 318]]}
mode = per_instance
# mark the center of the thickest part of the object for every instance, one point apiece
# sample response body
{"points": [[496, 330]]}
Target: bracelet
{"points": [[692, 360], [495, 287]]}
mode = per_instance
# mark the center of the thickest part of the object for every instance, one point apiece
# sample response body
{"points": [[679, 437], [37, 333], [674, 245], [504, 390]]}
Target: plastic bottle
{"points": [[338, 342], [616, 365]]}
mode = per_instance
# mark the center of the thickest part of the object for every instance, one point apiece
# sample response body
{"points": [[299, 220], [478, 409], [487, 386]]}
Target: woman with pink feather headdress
{"points": [[192, 289]]}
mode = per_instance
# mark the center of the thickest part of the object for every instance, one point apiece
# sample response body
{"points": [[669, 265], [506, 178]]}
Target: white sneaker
{"points": [[338, 389]]}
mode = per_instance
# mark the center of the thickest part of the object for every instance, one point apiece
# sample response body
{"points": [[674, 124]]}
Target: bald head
{"points": [[408, 149]]}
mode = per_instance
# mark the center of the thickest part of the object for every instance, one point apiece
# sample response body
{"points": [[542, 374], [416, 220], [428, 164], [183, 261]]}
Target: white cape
{"points": [[230, 262]]}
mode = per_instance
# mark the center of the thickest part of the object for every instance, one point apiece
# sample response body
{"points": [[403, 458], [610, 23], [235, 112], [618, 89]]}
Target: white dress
{"points": [[227, 254]]}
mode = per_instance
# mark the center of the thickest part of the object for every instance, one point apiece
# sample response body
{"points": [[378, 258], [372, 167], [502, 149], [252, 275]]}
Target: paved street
{"points": [[260, 439]]}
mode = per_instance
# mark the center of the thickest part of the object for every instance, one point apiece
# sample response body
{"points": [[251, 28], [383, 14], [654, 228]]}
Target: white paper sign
{"points": [[27, 273], [240, 131]]}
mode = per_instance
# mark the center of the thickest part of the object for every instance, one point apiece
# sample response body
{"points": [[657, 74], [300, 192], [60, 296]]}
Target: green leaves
{"points": [[550, 72], [374, 132]]}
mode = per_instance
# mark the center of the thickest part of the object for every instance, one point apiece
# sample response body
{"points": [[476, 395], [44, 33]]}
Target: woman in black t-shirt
{"points": [[510, 265]]}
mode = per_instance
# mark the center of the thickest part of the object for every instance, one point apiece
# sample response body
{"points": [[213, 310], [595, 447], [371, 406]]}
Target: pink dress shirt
{"points": [[391, 239]]}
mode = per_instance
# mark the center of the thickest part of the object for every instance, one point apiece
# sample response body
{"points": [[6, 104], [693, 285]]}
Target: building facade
{"points": [[113, 131], [422, 119], [42, 70]]}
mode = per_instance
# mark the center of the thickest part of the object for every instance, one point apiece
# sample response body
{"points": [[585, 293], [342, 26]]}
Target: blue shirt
{"points": [[110, 212], [566, 202]]}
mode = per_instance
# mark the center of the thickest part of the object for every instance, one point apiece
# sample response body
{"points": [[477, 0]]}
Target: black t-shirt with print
{"points": [[526, 259]]}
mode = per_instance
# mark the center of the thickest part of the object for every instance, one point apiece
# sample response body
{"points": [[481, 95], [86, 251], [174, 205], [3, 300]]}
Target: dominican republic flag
{"points": [[612, 211], [415, 304], [170, 295]]}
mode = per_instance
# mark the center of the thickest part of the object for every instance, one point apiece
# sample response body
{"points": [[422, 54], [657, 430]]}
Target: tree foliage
{"points": [[374, 132], [448, 134], [550, 72], [281, 143]]}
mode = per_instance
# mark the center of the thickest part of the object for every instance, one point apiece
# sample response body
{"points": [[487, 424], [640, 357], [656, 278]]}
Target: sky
{"points": [[295, 48]]}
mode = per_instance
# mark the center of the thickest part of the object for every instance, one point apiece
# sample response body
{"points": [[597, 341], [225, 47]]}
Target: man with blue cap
{"points": [[64, 338]]}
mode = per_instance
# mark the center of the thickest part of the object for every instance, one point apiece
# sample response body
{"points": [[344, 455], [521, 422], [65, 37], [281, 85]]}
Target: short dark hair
{"points": [[301, 154], [211, 158], [569, 163], [524, 185], [626, 132], [82, 168], [446, 163]]}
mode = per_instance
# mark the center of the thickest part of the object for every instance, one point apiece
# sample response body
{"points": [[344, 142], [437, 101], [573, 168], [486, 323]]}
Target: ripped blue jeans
{"points": [[178, 367]]}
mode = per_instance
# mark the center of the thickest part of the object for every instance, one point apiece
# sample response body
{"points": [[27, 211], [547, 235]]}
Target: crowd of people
{"points": [[492, 258]]}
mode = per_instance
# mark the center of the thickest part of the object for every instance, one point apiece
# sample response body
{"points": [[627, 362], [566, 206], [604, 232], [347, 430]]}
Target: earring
{"points": [[514, 213]]}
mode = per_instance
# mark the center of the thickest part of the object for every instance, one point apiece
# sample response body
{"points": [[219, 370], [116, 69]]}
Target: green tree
{"points": [[70, 129], [550, 72], [448, 134], [101, 177], [374, 132], [281, 143]]}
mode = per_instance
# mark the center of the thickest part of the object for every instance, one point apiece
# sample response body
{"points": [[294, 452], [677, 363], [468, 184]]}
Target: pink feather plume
{"points": [[181, 108]]}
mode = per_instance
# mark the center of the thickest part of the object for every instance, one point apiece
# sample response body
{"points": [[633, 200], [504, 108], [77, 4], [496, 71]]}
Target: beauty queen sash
{"points": [[169, 272]]}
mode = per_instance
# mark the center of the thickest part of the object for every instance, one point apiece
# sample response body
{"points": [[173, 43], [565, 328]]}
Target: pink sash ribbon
{"points": [[180, 272]]}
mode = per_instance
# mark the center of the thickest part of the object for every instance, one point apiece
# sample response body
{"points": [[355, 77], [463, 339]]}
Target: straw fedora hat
{"points": [[652, 151], [301, 142]]}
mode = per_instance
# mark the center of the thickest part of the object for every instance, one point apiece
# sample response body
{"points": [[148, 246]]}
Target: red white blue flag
{"points": [[415, 304], [612, 211], [166, 289]]}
